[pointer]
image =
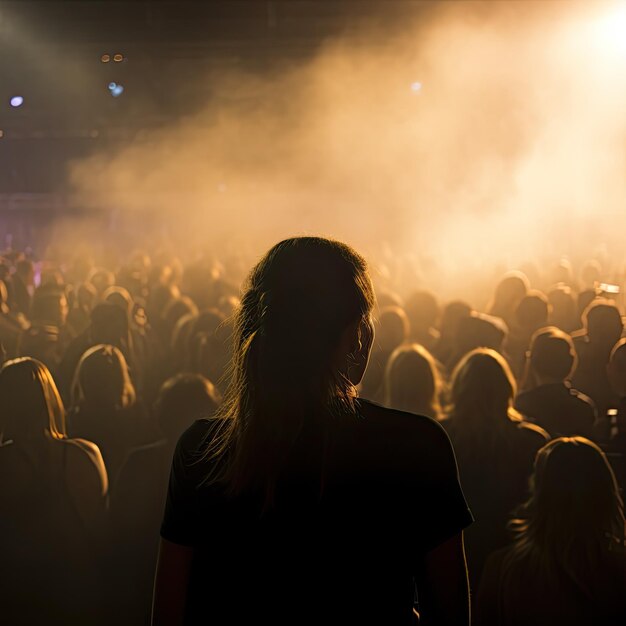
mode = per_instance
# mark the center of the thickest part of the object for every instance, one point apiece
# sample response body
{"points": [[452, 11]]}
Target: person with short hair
{"points": [[548, 398]]}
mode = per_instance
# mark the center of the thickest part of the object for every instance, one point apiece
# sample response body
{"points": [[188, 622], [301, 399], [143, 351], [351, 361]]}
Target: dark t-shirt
{"points": [[347, 553], [559, 409]]}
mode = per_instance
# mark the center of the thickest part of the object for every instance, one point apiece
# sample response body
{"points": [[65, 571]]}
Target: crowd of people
{"points": [[111, 374]]}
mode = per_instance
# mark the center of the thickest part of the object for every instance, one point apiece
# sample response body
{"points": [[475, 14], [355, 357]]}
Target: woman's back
{"points": [[346, 549], [515, 593], [52, 515]]}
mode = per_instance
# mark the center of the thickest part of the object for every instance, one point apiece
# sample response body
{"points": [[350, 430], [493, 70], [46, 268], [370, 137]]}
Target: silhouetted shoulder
{"points": [[403, 424], [87, 458], [533, 431]]}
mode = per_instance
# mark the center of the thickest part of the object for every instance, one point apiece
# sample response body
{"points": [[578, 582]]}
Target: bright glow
{"points": [[611, 29], [117, 91], [105, 58], [112, 86], [118, 58], [416, 87], [1, 134], [17, 101]]}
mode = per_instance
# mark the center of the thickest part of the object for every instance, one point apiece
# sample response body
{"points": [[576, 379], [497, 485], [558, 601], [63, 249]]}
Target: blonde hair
{"points": [[412, 381], [482, 391], [102, 375], [31, 401]]}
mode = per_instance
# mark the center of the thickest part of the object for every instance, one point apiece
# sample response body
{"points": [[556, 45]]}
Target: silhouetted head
{"points": [[482, 390], [31, 404], [412, 381], [532, 311], [563, 308], [479, 330], [120, 297], [102, 379], [590, 274], [422, 309], [508, 294], [102, 279], [574, 499], [301, 343], [453, 312], [86, 296], [392, 328], [109, 325], [49, 306], [552, 355], [603, 322], [183, 399], [617, 368]]}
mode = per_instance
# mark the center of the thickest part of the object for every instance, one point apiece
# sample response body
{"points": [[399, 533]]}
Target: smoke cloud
{"points": [[481, 136]]}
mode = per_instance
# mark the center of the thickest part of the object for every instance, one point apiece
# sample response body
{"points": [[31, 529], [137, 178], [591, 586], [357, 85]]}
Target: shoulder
{"points": [[383, 418], [532, 432], [403, 434], [83, 458], [199, 435], [580, 398]]}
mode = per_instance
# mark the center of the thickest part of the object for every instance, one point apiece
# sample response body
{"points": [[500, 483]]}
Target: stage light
{"points": [[112, 86], [16, 101], [105, 58], [1, 134], [116, 89], [416, 87], [118, 58], [611, 29]]}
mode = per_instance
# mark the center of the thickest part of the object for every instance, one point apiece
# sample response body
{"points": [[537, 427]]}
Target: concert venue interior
{"points": [[153, 151]]}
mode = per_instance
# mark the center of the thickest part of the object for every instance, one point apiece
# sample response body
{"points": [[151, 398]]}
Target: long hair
{"points": [[102, 378], [412, 381], [31, 404], [296, 304], [574, 516], [481, 396]]}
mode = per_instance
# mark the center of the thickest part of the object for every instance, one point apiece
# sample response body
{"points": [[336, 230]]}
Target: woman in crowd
{"points": [[413, 382], [301, 503], [105, 408], [567, 565], [53, 493], [495, 449]]}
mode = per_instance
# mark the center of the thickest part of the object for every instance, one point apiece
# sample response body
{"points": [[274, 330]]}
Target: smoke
{"points": [[484, 134]]}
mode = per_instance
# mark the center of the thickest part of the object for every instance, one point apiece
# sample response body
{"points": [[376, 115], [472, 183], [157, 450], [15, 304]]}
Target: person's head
{"points": [[412, 381], [479, 330], [508, 293], [590, 273], [49, 306], [183, 399], [102, 379], [453, 312], [603, 322], [482, 390], [551, 357], [562, 308], [86, 296], [616, 368], [392, 328], [574, 500], [102, 279], [302, 339], [120, 297], [532, 311], [422, 309], [109, 325], [31, 404]]}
